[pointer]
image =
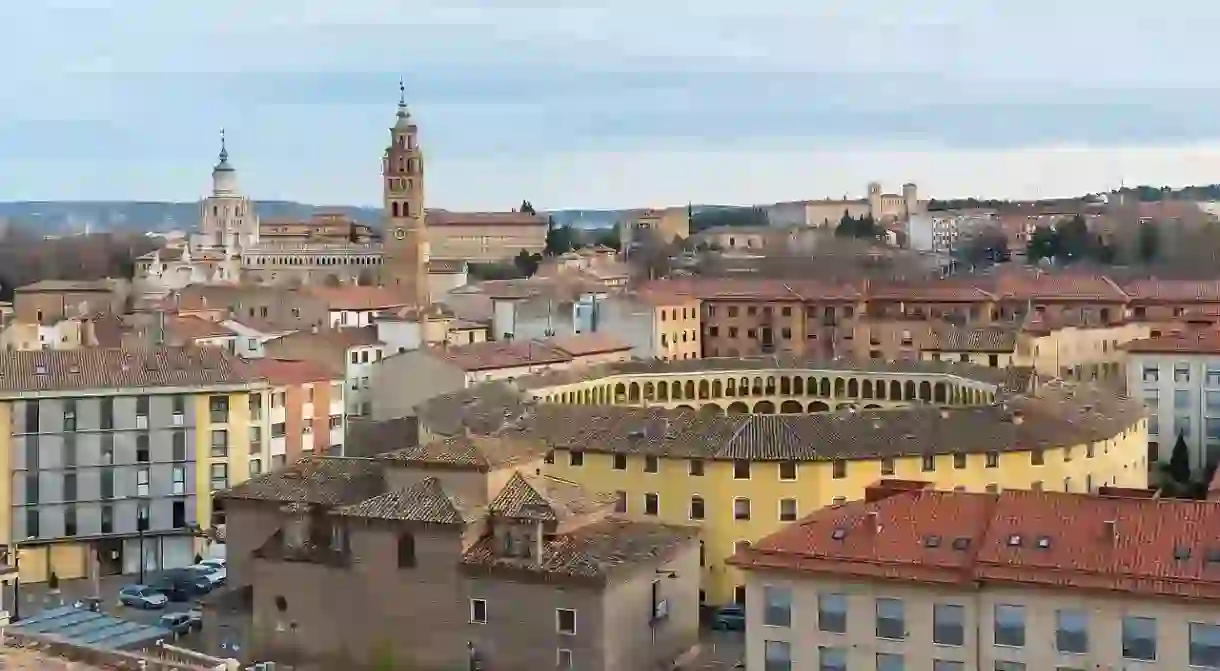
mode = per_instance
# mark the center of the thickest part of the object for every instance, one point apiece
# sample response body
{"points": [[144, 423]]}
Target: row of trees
{"points": [[862, 228], [25, 257], [1070, 241]]}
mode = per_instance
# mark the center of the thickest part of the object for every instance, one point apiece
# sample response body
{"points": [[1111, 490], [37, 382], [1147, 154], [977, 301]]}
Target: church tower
{"points": [[404, 263], [227, 220]]}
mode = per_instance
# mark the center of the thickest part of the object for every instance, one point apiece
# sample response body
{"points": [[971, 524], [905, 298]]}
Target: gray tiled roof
{"points": [[120, 368], [483, 408], [469, 451], [594, 551], [425, 501], [544, 498], [328, 481]]}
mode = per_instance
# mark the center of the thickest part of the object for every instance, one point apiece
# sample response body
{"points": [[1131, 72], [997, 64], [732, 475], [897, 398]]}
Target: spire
{"points": [[402, 100], [223, 164]]}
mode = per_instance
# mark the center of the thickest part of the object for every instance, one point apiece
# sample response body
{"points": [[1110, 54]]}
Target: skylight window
{"points": [[931, 541], [838, 534], [1181, 553], [1213, 555], [1044, 542], [1014, 541], [961, 544]]}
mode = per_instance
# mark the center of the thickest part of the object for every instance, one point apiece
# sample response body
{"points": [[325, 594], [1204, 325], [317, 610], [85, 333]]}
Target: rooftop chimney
{"points": [[874, 522], [1110, 531]]}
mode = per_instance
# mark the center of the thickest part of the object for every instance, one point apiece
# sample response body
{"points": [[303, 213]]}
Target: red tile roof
{"points": [[586, 344], [1198, 342], [908, 532], [1154, 290], [195, 328], [285, 372], [352, 297], [500, 354]]}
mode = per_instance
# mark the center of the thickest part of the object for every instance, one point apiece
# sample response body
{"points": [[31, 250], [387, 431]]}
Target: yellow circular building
{"points": [[740, 447]]}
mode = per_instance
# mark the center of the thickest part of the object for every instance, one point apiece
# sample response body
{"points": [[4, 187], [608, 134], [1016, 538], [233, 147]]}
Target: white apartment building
{"points": [[1178, 378], [913, 579]]}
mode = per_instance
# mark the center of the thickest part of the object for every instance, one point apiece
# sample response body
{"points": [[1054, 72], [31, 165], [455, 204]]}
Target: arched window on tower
{"points": [[394, 209]]}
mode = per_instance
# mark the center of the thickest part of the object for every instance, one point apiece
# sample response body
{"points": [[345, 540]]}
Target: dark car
{"points": [[730, 618], [182, 585]]}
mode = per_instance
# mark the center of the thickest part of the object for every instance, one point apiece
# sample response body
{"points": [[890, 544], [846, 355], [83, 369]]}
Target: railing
{"points": [[161, 657]]}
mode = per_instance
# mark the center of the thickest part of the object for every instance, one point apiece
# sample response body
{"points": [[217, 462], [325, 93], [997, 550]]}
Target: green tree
{"points": [[559, 239], [1074, 242], [527, 263], [1148, 244], [1043, 244], [608, 237], [1179, 461], [716, 217]]}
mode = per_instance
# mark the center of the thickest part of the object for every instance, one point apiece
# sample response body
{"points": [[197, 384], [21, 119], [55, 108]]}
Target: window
{"points": [[696, 507], [70, 521], [142, 482], [620, 462], [651, 464], [179, 480], [947, 665], [993, 460], [220, 476], [143, 516], [279, 429], [1139, 638], [565, 620], [31, 523], [478, 611], [1071, 631], [563, 659], [106, 421], [741, 469], [1009, 626], [1001, 665], [1037, 458], [142, 407], [1181, 373], [178, 445], [218, 409], [891, 619], [838, 469], [777, 656], [741, 509], [787, 470], [929, 463], [142, 448], [1205, 645], [406, 550], [220, 443], [256, 467], [787, 510], [832, 613], [652, 504], [948, 624], [777, 608], [31, 416], [107, 519], [1151, 374], [832, 659], [576, 458], [959, 461], [179, 514], [696, 467], [887, 466], [107, 483], [70, 414]]}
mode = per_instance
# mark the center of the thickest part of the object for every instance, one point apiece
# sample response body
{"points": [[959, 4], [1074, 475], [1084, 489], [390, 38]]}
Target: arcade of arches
{"points": [[772, 392]]}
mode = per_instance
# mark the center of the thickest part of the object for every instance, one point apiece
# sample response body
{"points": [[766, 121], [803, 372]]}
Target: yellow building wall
{"points": [[6, 483], [1118, 462], [237, 458], [69, 560], [1003, 359], [670, 324]]}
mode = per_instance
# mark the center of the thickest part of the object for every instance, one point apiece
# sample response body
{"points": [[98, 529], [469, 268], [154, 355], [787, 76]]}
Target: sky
{"points": [[622, 103]]}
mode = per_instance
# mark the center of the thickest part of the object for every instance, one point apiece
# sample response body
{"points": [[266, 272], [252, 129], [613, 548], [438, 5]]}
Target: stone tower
{"points": [[910, 199], [874, 200], [404, 263], [227, 220]]}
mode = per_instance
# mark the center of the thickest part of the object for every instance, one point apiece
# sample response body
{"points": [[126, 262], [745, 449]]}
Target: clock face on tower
{"points": [[400, 233]]}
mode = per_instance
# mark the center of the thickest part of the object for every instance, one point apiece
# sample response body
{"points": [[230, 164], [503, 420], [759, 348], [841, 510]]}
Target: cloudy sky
{"points": [[609, 104]]}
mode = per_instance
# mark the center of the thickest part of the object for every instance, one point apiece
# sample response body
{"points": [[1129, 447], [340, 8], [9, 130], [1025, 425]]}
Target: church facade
{"points": [[232, 245]]}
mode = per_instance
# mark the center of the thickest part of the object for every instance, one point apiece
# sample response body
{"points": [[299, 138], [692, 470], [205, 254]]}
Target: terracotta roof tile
{"points": [[1104, 542], [120, 368], [467, 451], [587, 344], [330, 481], [283, 372], [424, 501], [353, 297], [195, 328], [1200, 342], [494, 354]]}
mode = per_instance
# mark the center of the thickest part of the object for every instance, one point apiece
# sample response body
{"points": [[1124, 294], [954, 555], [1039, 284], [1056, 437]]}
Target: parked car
{"points": [[730, 618], [179, 623], [216, 574], [196, 614], [142, 596], [182, 584]]}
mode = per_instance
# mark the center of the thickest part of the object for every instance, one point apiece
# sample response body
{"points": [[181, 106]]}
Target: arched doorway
{"points": [[791, 408], [738, 408], [764, 408], [818, 406]]}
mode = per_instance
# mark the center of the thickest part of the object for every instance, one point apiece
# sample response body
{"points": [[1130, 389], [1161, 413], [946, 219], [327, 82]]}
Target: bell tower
{"points": [[404, 263]]}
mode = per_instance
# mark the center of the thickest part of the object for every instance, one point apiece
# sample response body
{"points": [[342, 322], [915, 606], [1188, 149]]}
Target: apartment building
{"points": [[1178, 378], [352, 305], [299, 412], [914, 578], [111, 453], [350, 352]]}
